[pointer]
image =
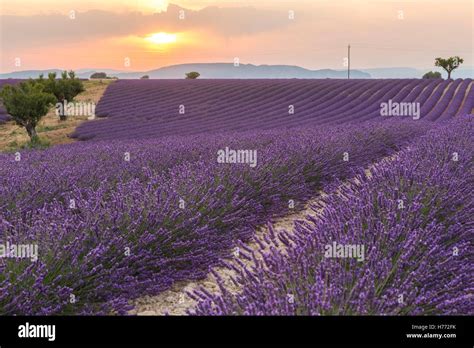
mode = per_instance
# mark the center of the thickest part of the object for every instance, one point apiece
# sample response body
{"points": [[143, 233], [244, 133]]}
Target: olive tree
{"points": [[27, 103], [64, 88], [432, 75]]}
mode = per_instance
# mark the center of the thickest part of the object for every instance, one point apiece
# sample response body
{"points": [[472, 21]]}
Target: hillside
{"points": [[184, 107], [207, 71]]}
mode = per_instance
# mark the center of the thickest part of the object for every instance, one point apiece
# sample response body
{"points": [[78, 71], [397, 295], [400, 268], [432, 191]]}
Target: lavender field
{"points": [[178, 173], [194, 173], [413, 216], [157, 108]]}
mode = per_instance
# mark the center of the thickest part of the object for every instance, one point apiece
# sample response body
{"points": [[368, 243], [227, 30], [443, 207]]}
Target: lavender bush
{"points": [[413, 217], [110, 229]]}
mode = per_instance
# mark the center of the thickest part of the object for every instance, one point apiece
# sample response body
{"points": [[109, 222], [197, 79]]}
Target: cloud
{"points": [[19, 32]]}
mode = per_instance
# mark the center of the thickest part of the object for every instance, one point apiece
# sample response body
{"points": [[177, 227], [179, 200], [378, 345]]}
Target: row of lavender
{"points": [[155, 108], [411, 225], [112, 221]]}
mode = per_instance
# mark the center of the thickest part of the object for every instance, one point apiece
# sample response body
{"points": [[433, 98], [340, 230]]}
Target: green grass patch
{"points": [[42, 129], [37, 144]]}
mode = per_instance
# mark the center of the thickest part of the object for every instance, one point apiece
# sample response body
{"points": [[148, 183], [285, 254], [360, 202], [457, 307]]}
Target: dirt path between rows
{"points": [[175, 301]]}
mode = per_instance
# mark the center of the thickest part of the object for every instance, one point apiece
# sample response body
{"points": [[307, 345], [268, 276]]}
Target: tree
{"points": [[432, 75], [64, 89], [99, 75], [192, 75], [449, 64], [145, 77], [27, 103]]}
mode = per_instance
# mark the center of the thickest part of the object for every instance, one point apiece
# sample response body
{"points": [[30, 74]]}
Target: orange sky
{"points": [[73, 34]]}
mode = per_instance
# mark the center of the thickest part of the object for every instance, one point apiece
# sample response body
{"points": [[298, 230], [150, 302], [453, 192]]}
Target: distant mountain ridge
{"points": [[250, 71], [207, 71], [243, 71]]}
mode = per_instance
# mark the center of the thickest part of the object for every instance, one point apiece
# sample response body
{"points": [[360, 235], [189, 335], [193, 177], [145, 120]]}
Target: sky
{"points": [[141, 35]]}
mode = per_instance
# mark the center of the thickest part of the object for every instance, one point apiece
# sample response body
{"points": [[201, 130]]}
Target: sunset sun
{"points": [[161, 38]]}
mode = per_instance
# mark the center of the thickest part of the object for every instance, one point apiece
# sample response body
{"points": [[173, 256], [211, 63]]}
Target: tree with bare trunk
{"points": [[27, 103], [449, 64]]}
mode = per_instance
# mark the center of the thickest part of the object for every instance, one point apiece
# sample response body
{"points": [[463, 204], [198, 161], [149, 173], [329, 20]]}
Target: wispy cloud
{"points": [[40, 30]]}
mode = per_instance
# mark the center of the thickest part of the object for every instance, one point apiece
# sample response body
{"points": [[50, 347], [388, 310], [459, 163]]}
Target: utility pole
{"points": [[349, 61]]}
